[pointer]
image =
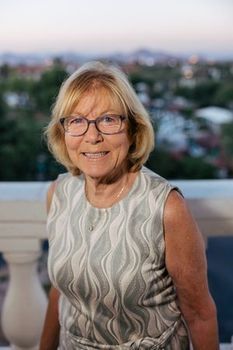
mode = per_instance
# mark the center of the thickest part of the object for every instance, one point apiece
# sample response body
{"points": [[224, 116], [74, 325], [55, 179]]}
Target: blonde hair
{"points": [[90, 76]]}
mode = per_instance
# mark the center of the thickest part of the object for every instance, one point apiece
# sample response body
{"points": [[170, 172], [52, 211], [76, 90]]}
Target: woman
{"points": [[126, 259]]}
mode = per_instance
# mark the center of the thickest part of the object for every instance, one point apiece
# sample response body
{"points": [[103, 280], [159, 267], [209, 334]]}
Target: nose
{"points": [[93, 135]]}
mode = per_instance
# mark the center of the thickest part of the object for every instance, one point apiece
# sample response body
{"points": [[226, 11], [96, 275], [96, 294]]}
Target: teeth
{"points": [[95, 155]]}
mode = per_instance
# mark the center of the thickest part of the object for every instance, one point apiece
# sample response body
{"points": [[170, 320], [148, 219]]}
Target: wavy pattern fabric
{"points": [[109, 266]]}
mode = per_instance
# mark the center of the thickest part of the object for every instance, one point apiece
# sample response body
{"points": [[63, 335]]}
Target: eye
{"points": [[109, 119], [76, 121]]}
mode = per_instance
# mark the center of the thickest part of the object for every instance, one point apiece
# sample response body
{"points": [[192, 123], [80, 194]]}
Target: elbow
{"points": [[208, 311], [204, 311]]}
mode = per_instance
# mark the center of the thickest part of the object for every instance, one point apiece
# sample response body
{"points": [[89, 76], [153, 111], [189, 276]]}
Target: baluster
{"points": [[25, 303]]}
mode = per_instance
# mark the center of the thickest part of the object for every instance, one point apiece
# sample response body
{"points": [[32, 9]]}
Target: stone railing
{"points": [[211, 202], [22, 228]]}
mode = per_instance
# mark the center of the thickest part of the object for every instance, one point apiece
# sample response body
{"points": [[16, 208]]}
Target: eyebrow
{"points": [[107, 111]]}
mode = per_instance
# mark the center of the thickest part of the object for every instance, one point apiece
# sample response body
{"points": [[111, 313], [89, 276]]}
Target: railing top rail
{"points": [[208, 189], [192, 189], [23, 191]]}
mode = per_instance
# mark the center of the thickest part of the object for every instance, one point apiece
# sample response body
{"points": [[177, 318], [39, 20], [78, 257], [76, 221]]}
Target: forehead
{"points": [[97, 101]]}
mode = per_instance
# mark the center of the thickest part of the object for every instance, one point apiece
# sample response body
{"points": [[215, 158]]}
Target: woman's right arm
{"points": [[50, 334]]}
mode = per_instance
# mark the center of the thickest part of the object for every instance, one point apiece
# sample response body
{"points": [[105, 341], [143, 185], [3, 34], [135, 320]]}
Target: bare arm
{"points": [[50, 335], [186, 263]]}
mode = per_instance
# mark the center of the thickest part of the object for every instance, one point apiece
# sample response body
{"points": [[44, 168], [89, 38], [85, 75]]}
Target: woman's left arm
{"points": [[186, 264]]}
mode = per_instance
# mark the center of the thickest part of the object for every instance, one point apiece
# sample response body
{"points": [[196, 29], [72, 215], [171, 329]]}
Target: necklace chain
{"points": [[118, 195], [122, 190]]}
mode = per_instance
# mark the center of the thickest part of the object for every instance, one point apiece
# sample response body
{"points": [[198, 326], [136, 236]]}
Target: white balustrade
{"points": [[22, 227], [25, 303], [211, 203]]}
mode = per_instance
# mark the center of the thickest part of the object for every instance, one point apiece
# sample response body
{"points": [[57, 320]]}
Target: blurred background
{"points": [[178, 56]]}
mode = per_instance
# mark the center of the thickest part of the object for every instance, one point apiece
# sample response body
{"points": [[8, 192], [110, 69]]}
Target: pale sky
{"points": [[89, 26]]}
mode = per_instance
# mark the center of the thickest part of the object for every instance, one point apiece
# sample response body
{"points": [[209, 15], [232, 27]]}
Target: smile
{"points": [[94, 155]]}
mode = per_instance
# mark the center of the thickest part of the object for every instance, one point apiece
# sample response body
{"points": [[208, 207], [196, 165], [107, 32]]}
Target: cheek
{"points": [[123, 145], [72, 144]]}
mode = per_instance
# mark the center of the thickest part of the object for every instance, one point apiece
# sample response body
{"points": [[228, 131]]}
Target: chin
{"points": [[95, 174], [99, 174]]}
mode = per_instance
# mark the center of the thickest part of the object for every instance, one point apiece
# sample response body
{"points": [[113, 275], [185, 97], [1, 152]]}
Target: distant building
{"points": [[215, 115], [174, 132]]}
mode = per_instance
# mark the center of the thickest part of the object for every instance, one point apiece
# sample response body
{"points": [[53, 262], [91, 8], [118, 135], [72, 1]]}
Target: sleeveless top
{"points": [[109, 266]]}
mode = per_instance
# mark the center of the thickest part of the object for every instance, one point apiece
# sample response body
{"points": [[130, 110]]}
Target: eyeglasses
{"points": [[107, 124]]}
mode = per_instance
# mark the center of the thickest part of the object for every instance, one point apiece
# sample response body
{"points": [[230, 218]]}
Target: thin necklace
{"points": [[122, 190], [116, 197]]}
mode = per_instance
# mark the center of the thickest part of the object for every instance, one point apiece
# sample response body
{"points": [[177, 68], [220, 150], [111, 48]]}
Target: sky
{"points": [[104, 26]]}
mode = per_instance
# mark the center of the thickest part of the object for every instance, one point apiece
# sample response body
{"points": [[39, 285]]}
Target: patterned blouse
{"points": [[109, 266]]}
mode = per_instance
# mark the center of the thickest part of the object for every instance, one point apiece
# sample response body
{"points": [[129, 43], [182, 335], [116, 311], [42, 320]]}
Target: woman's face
{"points": [[97, 155]]}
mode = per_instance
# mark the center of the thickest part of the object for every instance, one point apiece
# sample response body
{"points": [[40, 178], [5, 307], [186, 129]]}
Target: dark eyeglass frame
{"points": [[93, 121]]}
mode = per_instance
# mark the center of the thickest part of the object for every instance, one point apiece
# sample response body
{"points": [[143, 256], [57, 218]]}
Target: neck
{"points": [[104, 194]]}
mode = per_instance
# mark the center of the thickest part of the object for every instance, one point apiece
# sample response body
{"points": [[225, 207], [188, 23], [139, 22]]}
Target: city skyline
{"points": [[184, 27]]}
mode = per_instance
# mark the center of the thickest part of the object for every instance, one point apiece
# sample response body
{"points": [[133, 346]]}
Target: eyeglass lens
{"points": [[107, 124]]}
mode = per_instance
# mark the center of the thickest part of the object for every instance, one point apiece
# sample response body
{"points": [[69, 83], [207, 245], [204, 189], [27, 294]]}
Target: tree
{"points": [[187, 167], [227, 142], [224, 95], [162, 163], [203, 94], [44, 91], [20, 144]]}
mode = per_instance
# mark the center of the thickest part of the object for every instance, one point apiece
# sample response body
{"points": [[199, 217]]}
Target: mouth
{"points": [[94, 155]]}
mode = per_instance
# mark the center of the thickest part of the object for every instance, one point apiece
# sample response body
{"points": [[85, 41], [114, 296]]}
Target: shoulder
{"points": [[183, 240], [50, 193], [176, 208], [159, 186], [177, 214], [57, 186], [154, 178]]}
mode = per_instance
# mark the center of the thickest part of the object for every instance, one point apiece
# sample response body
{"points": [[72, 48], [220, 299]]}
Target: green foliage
{"points": [[151, 75], [196, 168], [154, 73], [19, 148], [163, 163], [5, 71], [203, 94], [17, 84], [224, 95], [23, 153], [44, 91], [187, 167], [227, 138], [2, 106]]}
